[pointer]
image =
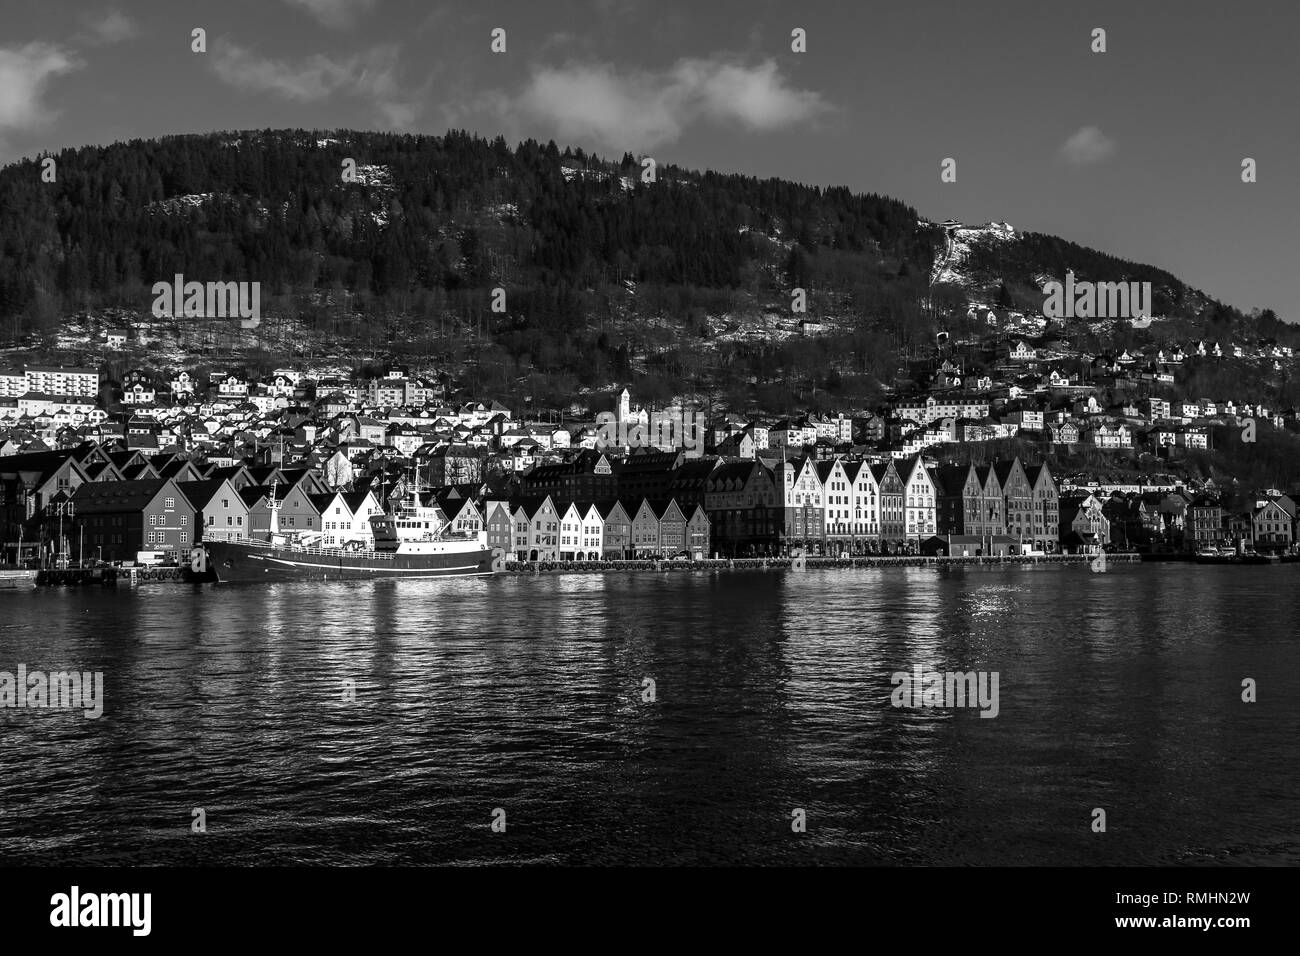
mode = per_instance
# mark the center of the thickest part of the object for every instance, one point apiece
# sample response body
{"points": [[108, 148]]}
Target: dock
{"points": [[808, 563], [12, 580]]}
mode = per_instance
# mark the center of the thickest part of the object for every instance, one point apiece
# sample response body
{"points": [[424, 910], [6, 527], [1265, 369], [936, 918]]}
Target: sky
{"points": [[1136, 150]]}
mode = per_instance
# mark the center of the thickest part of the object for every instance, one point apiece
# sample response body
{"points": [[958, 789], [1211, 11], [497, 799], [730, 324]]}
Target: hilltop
{"points": [[679, 285]]}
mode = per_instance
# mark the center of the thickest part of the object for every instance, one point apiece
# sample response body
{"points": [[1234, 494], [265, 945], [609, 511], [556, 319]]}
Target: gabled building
{"points": [[744, 509], [647, 474], [121, 518], [1045, 527], [616, 530], [837, 501], [580, 531], [919, 520], [29, 482], [1272, 522], [800, 492], [690, 482], [588, 476], [645, 530], [220, 513], [865, 503], [672, 527], [698, 540], [537, 521], [1083, 527], [893, 518], [1017, 499], [1205, 522], [463, 514]]}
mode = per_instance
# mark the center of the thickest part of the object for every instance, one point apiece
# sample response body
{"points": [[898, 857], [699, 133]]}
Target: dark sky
{"points": [[1136, 151]]}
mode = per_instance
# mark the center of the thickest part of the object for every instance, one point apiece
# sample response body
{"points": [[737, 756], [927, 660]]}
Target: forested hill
{"points": [[427, 213], [606, 276]]}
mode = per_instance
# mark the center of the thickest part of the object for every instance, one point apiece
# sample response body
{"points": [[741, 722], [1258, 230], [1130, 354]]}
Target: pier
{"points": [[809, 563], [104, 576]]}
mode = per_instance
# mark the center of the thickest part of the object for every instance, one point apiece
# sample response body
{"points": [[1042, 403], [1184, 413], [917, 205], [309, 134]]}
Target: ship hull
{"points": [[233, 563]]}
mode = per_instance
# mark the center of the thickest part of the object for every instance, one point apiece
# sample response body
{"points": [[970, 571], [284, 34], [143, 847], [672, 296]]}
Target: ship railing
{"points": [[329, 552]]}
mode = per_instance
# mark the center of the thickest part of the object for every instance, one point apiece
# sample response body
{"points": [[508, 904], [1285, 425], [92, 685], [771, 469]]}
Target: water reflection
{"points": [[771, 693]]}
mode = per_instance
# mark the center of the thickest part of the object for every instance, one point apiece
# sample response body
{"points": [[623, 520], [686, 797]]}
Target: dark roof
{"points": [[321, 502], [1004, 468], [606, 508], [660, 507], [354, 499], [732, 471], [43, 463], [200, 493], [1033, 472], [252, 493], [98, 497], [950, 480], [172, 468], [229, 471]]}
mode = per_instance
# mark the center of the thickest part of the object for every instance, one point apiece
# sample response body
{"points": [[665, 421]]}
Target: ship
{"points": [[410, 541]]}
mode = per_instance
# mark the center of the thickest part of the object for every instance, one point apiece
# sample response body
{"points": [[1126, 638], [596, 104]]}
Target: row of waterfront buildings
{"points": [[104, 502]]}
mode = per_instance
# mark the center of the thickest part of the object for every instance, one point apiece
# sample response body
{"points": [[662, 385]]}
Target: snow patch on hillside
{"points": [[179, 204], [949, 266]]}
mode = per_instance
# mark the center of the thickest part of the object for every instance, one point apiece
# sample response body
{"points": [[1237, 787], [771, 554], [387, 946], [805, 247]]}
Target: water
{"points": [[1119, 690]]}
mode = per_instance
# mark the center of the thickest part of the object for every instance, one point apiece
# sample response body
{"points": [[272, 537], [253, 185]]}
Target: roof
{"points": [[323, 501], [950, 480], [662, 506], [252, 494], [201, 493], [42, 463], [100, 497], [355, 499]]}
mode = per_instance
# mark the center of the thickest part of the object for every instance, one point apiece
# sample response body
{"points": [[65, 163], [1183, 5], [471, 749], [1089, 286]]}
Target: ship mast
{"points": [[274, 505]]}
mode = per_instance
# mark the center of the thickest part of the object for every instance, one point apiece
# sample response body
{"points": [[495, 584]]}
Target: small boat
{"points": [[1212, 555], [1252, 557]]}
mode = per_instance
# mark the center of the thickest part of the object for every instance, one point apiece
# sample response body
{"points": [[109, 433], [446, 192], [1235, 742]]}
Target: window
{"points": [[169, 503], [185, 520], [239, 521]]}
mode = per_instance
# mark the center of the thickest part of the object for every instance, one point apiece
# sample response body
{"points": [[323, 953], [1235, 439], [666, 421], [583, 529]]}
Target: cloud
{"points": [[25, 73], [371, 75], [1089, 145], [336, 14], [113, 27], [314, 78], [642, 109]]}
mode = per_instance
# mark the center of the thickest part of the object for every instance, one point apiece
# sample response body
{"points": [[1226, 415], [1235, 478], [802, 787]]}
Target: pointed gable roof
{"points": [[200, 493]]}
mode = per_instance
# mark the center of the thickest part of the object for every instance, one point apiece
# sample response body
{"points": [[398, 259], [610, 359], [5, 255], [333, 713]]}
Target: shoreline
{"points": [[785, 564]]}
